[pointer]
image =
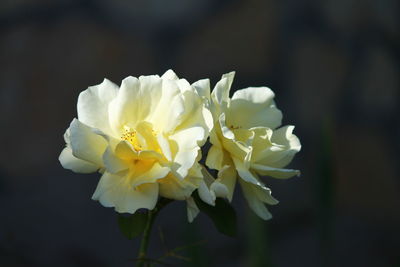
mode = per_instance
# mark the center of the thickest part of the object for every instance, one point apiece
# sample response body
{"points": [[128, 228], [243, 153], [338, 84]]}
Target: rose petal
{"points": [[115, 191], [68, 161], [85, 144]]}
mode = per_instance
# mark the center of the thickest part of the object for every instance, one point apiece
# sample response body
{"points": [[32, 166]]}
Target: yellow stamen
{"points": [[131, 136]]}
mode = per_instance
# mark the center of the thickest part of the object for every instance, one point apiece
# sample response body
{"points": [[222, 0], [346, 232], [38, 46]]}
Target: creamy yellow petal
{"points": [[253, 201], [252, 107], [150, 95], [184, 86], [136, 100], [215, 157], [146, 136], [126, 151], [275, 172], [224, 185], [205, 194], [237, 149], [220, 94], [255, 95], [202, 88], [284, 146], [262, 144], [245, 173], [115, 191], [149, 176], [284, 136], [192, 209], [170, 108], [85, 144], [164, 146], [68, 161], [111, 140], [237, 142], [113, 163], [93, 105], [174, 188], [226, 131], [195, 113], [187, 142], [263, 193], [123, 109], [170, 75]]}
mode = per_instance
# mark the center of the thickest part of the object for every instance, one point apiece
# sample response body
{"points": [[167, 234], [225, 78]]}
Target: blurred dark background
{"points": [[334, 66]]}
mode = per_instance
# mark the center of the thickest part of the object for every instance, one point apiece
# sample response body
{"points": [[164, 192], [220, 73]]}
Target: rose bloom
{"points": [[246, 142], [144, 137]]}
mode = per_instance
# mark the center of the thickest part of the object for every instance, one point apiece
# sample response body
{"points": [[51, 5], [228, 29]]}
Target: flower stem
{"points": [[144, 242]]}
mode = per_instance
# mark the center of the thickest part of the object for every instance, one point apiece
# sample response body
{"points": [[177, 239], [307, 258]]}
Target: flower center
{"points": [[131, 136], [143, 138]]}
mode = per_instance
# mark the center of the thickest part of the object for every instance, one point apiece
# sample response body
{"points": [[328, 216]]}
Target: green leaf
{"points": [[133, 225], [222, 214]]}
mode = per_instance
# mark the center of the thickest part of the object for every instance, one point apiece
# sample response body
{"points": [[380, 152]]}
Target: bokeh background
{"points": [[334, 66]]}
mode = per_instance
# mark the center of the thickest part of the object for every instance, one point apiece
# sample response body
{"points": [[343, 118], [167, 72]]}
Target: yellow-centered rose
{"points": [[246, 141], [144, 137]]}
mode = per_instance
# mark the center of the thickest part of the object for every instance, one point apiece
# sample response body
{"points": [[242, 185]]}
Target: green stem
{"points": [[144, 242]]}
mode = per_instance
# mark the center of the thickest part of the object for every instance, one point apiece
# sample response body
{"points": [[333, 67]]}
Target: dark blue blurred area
{"points": [[334, 66]]}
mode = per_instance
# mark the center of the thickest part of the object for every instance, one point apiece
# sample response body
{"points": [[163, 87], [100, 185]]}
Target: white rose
{"points": [[246, 141], [144, 138]]}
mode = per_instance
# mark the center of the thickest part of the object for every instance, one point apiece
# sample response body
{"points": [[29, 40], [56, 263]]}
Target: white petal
{"points": [[263, 193], [170, 108], [187, 142], [68, 161], [253, 201], [164, 145], [252, 107], [220, 190], [215, 158], [195, 112], [284, 147], [146, 136], [150, 94], [125, 151], [122, 109], [222, 88], [136, 100], [202, 88], [205, 194], [93, 105], [113, 163], [262, 144], [220, 94], [224, 186], [184, 86], [192, 209], [275, 172], [208, 118], [245, 173], [226, 131], [174, 188], [170, 75], [284, 136], [255, 95], [115, 191], [150, 176], [85, 144]]}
